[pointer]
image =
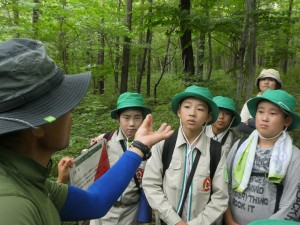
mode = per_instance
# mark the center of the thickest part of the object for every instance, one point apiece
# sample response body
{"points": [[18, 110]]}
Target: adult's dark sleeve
{"points": [[244, 128], [103, 193]]}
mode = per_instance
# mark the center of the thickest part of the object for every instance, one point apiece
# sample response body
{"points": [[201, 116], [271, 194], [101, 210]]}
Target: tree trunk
{"points": [[62, 40], [126, 49], [163, 67], [35, 18], [251, 6], [241, 55], [100, 62], [186, 41], [16, 15], [287, 39], [149, 67]]}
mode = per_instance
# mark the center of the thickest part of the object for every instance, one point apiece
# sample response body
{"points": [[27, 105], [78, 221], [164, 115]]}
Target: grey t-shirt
{"points": [[258, 200]]}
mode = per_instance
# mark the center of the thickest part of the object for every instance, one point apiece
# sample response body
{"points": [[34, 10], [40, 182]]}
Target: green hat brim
{"points": [[114, 113], [252, 106], [273, 222], [181, 96]]}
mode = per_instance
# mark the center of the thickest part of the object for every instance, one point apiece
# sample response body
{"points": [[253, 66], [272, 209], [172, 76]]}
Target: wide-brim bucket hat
{"points": [[273, 222], [130, 100], [228, 103], [269, 73], [198, 92], [280, 98], [33, 89]]}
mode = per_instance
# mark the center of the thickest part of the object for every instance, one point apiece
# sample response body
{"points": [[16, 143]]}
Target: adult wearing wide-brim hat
{"points": [[34, 90], [198, 92], [267, 79], [36, 98], [269, 73], [280, 98], [130, 100]]}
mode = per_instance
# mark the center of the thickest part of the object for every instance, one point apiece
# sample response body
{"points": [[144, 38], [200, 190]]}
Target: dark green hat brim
{"points": [[252, 106], [114, 113]]}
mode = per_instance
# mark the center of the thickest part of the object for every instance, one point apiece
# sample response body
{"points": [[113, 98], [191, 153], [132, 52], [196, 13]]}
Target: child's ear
{"points": [[209, 117], [288, 121]]}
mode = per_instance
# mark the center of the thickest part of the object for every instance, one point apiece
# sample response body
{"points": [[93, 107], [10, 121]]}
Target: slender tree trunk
{"points": [[143, 63], [35, 18], [210, 57], [62, 40], [251, 6], [163, 67], [200, 56], [100, 62], [287, 39], [16, 16], [186, 41], [149, 67], [241, 55], [126, 49], [117, 58]]}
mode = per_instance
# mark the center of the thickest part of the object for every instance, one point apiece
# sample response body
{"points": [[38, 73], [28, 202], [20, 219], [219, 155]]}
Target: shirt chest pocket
{"points": [[173, 174]]}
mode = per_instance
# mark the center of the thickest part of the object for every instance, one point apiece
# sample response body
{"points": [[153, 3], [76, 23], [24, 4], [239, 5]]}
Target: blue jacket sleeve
{"points": [[101, 195]]}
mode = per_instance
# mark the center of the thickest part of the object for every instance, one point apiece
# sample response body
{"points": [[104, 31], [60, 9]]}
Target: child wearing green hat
{"points": [[228, 118], [130, 113], [206, 199], [264, 179]]}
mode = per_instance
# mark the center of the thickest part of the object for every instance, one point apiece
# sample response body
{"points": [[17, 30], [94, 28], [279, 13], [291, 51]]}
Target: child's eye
{"points": [[186, 106]]}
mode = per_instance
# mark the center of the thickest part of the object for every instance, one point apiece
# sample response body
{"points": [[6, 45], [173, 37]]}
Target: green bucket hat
{"points": [[130, 100], [273, 222], [201, 93], [281, 98], [228, 103]]}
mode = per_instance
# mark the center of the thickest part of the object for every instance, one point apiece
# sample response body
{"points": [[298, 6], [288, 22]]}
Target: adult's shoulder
{"points": [[17, 209]]}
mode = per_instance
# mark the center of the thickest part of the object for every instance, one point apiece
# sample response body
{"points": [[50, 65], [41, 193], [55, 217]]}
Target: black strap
{"points": [[108, 135], [225, 137], [215, 155], [136, 180], [279, 188], [189, 181], [168, 150]]}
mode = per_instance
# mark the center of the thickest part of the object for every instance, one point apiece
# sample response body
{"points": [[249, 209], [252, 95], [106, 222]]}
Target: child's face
{"points": [[129, 121], [267, 83], [223, 121], [193, 113], [270, 120]]}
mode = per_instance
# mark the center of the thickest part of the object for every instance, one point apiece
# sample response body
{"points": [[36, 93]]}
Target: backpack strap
{"points": [[215, 155], [225, 137], [108, 135], [189, 181], [168, 150], [279, 188]]}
